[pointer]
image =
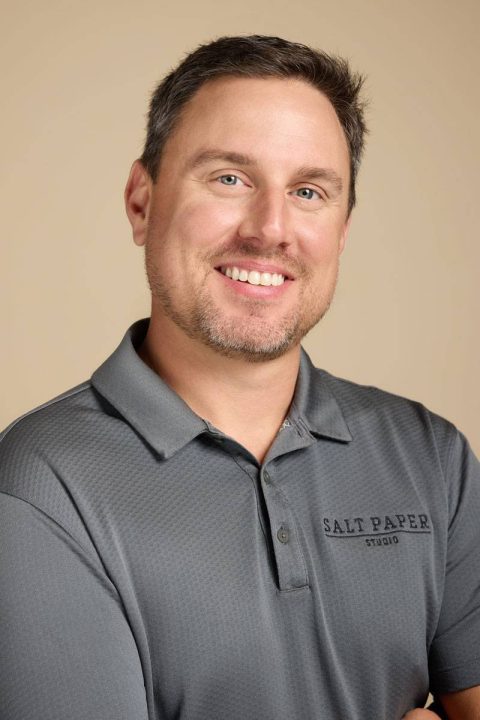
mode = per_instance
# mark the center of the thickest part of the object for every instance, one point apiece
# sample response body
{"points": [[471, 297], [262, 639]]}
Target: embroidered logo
{"points": [[378, 530]]}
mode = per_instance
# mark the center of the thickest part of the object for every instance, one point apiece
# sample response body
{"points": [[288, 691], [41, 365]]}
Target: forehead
{"points": [[270, 117]]}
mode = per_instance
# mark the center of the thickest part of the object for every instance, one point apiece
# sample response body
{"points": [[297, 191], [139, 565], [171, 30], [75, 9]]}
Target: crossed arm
{"points": [[462, 705]]}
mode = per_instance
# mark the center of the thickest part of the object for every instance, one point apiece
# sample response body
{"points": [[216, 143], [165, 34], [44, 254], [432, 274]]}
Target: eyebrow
{"points": [[207, 156], [318, 173], [309, 172]]}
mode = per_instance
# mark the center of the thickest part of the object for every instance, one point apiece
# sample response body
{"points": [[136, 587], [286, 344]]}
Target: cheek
{"points": [[204, 224], [321, 244], [178, 235]]}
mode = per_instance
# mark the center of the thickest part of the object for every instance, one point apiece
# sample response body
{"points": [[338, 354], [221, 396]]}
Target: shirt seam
{"points": [[448, 459], [70, 393], [72, 537], [444, 467], [453, 522]]}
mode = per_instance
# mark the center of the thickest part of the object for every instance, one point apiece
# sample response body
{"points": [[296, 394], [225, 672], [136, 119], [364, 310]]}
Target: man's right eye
{"points": [[228, 179]]}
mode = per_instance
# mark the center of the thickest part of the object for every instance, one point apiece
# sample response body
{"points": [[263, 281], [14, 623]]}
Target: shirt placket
{"points": [[289, 557]]}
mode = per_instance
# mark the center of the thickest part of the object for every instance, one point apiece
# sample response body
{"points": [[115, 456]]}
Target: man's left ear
{"points": [[343, 237], [137, 195]]}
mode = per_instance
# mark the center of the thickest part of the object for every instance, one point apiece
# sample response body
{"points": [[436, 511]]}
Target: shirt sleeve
{"points": [[454, 657], [67, 650]]}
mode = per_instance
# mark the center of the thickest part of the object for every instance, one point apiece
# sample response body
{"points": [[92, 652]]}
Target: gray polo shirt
{"points": [[151, 568]]}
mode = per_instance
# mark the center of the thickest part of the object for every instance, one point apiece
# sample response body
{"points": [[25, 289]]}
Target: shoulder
{"points": [[361, 402], [36, 449], [44, 425], [379, 417], [400, 433], [43, 411]]}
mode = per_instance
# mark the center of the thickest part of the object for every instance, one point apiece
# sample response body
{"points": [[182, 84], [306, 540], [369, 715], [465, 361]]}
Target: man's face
{"points": [[248, 216]]}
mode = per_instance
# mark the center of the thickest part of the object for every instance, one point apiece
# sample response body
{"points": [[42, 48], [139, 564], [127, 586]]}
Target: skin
{"points": [[462, 705], [229, 349]]}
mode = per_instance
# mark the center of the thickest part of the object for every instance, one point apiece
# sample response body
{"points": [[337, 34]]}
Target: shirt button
{"points": [[283, 535], [266, 478]]}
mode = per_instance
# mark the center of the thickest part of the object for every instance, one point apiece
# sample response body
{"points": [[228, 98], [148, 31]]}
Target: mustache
{"points": [[249, 250]]}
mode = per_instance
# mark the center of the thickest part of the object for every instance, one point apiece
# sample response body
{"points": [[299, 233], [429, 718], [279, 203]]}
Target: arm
{"points": [[67, 649], [462, 705], [453, 658], [454, 663]]}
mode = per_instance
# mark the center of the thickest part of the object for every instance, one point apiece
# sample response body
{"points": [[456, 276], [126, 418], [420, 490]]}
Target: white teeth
{"points": [[253, 277]]}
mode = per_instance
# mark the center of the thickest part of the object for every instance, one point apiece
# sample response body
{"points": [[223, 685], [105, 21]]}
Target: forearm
{"points": [[461, 705]]}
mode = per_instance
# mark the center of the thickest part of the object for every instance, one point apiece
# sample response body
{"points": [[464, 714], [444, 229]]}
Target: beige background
{"points": [[75, 85]]}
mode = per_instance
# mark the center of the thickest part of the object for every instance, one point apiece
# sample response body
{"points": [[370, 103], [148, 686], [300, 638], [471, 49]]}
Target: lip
{"points": [[253, 265]]}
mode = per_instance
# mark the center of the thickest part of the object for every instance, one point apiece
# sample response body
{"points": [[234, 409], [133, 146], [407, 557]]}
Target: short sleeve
{"points": [[67, 650], [454, 659]]}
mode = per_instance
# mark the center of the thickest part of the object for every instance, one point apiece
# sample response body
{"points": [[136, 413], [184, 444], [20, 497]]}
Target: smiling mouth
{"points": [[252, 277]]}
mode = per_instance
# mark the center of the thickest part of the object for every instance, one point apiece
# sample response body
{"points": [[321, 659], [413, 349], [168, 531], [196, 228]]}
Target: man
{"points": [[211, 528]]}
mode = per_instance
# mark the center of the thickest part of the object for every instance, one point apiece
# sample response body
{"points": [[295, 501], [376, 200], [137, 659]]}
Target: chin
{"points": [[252, 347], [250, 352]]}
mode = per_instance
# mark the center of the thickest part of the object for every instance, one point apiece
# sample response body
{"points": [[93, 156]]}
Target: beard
{"points": [[253, 336]]}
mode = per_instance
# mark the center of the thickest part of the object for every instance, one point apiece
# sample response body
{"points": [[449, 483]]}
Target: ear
{"points": [[138, 192], [343, 236]]}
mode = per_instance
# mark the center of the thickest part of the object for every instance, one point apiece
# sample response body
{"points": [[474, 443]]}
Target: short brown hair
{"points": [[258, 56]]}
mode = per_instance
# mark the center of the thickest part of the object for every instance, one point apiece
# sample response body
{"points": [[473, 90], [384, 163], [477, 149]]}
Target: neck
{"points": [[246, 401]]}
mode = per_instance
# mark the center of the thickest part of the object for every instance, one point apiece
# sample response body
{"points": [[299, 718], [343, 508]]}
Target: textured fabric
{"points": [[151, 568]]}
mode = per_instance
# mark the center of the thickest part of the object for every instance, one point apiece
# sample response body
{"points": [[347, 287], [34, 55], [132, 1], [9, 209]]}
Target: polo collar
{"points": [[148, 404], [167, 423], [314, 405]]}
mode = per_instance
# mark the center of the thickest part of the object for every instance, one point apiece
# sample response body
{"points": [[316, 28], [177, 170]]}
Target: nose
{"points": [[266, 220]]}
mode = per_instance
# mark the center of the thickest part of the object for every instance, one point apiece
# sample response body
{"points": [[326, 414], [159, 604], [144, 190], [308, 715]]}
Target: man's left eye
{"points": [[229, 179], [307, 193]]}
